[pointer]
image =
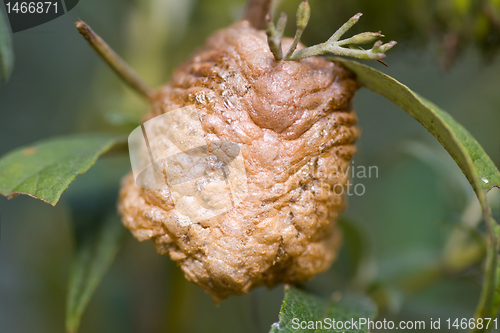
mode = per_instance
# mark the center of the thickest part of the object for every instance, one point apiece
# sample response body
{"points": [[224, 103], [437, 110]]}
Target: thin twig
{"points": [[377, 53], [303, 15], [256, 11], [336, 46], [117, 64], [275, 34], [348, 47], [345, 27]]}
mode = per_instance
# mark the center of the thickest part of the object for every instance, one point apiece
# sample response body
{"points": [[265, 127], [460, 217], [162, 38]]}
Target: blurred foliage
{"points": [[309, 309], [452, 24], [96, 248], [475, 164], [398, 231], [6, 51]]}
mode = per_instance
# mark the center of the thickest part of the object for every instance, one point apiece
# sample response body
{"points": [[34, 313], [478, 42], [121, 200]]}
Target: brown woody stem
{"points": [[124, 71], [256, 11]]}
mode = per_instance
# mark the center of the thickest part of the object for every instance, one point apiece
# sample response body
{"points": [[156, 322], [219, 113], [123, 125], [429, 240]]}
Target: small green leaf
{"points": [[465, 150], [301, 312], [94, 255], [45, 169], [475, 164], [6, 50]]}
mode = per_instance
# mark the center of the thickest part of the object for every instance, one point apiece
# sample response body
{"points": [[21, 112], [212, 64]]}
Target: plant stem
{"points": [[348, 47], [180, 305], [335, 49], [345, 27], [489, 301], [303, 14], [124, 71], [275, 34], [256, 11]]}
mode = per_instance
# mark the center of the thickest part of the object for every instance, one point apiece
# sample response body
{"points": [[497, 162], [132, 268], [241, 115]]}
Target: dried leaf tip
{"points": [[347, 47]]}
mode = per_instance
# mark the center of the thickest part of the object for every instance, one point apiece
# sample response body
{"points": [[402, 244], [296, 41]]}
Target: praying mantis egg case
{"points": [[293, 124]]}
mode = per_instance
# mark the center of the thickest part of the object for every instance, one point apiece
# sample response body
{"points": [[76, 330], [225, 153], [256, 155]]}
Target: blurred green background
{"points": [[395, 235]]}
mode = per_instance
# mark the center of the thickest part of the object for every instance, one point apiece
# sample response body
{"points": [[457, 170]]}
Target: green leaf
{"points": [[6, 50], [475, 164], [94, 255], [45, 169], [465, 150], [301, 311]]}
